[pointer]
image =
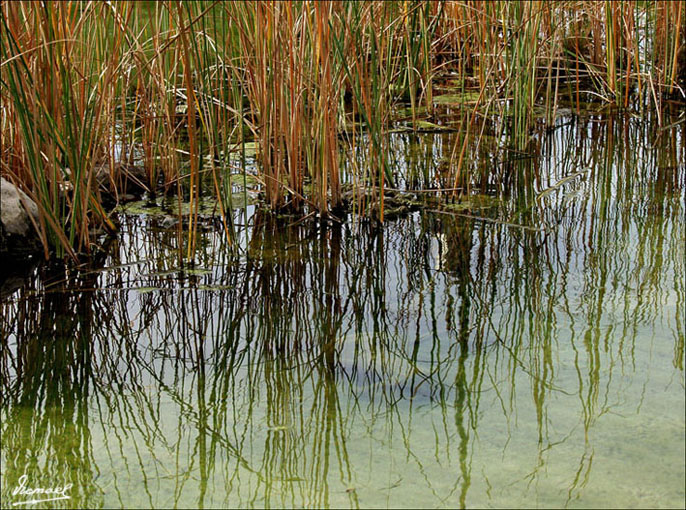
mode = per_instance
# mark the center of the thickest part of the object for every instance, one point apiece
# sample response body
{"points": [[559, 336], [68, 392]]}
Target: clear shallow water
{"points": [[519, 352]]}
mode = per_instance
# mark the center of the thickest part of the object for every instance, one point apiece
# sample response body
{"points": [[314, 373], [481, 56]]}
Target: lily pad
{"points": [[145, 290], [250, 149], [214, 287], [459, 98], [471, 203], [206, 206], [430, 126], [407, 111], [240, 180], [142, 207]]}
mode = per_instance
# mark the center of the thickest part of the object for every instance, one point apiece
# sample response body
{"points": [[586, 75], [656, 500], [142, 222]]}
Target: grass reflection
{"points": [[445, 359]]}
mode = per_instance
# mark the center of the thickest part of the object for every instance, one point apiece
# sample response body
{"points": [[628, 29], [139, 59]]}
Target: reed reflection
{"points": [[47, 381], [448, 359]]}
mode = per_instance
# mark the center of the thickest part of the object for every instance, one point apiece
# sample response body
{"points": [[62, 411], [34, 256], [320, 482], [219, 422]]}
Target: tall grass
{"points": [[178, 88], [287, 72], [55, 89]]}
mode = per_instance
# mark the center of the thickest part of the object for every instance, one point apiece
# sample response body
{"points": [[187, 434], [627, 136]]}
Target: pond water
{"points": [[525, 350]]}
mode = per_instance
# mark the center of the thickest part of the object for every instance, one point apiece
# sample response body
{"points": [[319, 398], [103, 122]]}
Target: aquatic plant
{"points": [[179, 88]]}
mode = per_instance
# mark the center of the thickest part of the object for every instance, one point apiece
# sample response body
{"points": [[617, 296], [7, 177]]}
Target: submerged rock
{"points": [[18, 236], [129, 181], [16, 275], [127, 178]]}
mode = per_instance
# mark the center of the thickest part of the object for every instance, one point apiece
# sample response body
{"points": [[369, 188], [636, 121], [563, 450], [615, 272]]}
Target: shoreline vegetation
{"points": [[103, 102]]}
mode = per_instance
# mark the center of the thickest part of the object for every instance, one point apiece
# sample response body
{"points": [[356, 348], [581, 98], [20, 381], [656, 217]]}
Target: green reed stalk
{"points": [[58, 97], [91, 85]]}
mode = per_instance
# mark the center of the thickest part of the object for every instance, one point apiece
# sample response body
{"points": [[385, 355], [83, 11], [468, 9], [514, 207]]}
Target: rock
{"points": [[17, 234], [128, 179], [15, 276]]}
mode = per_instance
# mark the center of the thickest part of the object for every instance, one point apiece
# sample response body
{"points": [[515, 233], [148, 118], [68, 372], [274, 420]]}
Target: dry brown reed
{"points": [[178, 87]]}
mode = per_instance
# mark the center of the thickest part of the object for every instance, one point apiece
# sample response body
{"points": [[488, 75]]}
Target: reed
{"points": [[56, 92], [179, 88]]}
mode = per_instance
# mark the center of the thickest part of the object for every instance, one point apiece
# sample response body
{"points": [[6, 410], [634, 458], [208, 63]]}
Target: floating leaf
{"points": [[145, 290]]}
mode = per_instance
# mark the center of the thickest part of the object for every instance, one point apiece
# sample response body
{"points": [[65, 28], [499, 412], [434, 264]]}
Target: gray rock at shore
{"points": [[18, 236]]}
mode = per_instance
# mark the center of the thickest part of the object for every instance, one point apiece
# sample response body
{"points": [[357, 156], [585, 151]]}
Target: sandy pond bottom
{"points": [[342, 450]]}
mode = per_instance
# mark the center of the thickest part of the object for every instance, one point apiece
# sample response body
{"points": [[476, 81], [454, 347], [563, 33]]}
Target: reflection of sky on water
{"points": [[526, 352]]}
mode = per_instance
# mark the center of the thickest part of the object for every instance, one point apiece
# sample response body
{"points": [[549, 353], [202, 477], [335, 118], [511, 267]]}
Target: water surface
{"points": [[507, 351]]}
